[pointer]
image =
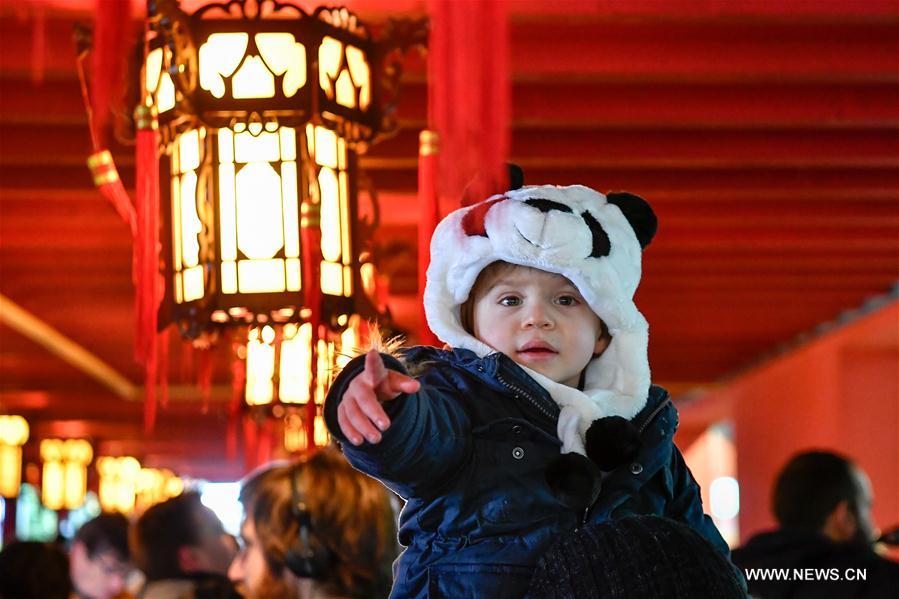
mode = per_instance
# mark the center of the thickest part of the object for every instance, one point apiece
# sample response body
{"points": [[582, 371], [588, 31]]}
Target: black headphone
{"points": [[308, 557]]}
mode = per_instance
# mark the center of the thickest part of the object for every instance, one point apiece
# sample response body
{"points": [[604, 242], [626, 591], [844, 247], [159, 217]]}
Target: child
{"points": [[541, 417]]}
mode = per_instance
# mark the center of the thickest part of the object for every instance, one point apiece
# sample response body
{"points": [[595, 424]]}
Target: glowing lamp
{"points": [[156, 485], [262, 111], [13, 434], [118, 483], [64, 478]]}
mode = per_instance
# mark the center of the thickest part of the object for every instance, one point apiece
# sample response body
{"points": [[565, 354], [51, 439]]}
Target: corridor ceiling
{"points": [[765, 135]]}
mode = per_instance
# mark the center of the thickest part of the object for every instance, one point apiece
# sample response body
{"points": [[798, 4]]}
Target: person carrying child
{"points": [[539, 417]]}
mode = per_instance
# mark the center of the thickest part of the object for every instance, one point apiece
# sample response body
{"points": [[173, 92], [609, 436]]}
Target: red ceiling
{"points": [[766, 135]]}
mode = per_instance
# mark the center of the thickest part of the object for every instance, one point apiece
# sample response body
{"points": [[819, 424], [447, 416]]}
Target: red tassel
{"points": [[150, 395], [107, 180], [204, 376], [112, 34], [311, 238], [238, 382], [468, 95], [429, 215], [163, 378], [147, 279], [251, 442]]}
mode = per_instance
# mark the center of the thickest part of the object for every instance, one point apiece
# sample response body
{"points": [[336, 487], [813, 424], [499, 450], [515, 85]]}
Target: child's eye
{"points": [[510, 300], [566, 300]]}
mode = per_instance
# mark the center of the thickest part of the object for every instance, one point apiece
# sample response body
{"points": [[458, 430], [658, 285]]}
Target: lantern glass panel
{"points": [[13, 430], [75, 484], [187, 226], [52, 485], [218, 56], [284, 56], [361, 75], [165, 98], [10, 470], [153, 70], [346, 91], [320, 432], [253, 80], [296, 364], [294, 434], [258, 211], [324, 369], [330, 55], [333, 192], [260, 366]]}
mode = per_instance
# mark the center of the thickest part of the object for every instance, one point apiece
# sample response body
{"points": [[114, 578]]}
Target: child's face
{"points": [[538, 319]]}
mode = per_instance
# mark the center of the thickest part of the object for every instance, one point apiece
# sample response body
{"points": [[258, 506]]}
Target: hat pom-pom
{"points": [[574, 480], [612, 441]]}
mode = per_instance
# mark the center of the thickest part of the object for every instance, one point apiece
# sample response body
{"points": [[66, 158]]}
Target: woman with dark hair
{"points": [[316, 528], [32, 570]]}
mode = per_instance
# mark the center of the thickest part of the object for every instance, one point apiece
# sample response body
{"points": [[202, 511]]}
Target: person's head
{"points": [[824, 492], [639, 557], [32, 570], [99, 560], [179, 537], [575, 250], [537, 318], [316, 525]]}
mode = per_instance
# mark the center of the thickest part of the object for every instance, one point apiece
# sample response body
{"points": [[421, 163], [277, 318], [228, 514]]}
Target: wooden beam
{"points": [[32, 327]]}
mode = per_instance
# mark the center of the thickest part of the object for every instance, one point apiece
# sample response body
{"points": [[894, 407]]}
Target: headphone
{"points": [[308, 557]]}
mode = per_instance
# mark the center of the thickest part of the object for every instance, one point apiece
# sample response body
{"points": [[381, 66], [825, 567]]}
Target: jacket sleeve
{"points": [[428, 439], [686, 503]]}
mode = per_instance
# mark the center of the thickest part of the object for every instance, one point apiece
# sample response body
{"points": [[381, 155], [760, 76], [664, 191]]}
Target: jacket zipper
{"points": [[519, 392]]}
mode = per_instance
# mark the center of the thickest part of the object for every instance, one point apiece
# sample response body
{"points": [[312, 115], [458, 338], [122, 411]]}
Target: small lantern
{"points": [[13, 434], [118, 483], [156, 485], [64, 478]]}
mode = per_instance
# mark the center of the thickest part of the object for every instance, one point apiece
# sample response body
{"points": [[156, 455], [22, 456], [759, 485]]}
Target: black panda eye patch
{"points": [[601, 244], [544, 205]]}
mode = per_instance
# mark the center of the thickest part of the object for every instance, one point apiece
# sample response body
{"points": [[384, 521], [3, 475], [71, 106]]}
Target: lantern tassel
{"points": [[147, 280], [311, 238], [204, 376], [429, 215], [238, 384]]}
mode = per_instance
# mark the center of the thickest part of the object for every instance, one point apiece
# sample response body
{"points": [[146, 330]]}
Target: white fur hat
{"points": [[593, 240]]}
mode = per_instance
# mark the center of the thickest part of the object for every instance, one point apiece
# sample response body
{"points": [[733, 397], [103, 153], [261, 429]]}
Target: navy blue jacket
{"points": [[469, 452]]}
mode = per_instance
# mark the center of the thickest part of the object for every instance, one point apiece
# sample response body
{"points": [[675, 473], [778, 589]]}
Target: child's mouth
{"points": [[537, 351]]}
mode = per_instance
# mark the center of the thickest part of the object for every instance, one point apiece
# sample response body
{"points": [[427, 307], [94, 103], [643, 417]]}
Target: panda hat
{"points": [[595, 241]]}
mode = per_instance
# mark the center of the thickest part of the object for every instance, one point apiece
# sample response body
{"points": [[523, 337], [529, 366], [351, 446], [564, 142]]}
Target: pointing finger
{"points": [[374, 368]]}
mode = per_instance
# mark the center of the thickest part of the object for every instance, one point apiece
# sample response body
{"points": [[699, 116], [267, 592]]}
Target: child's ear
{"points": [[601, 344]]}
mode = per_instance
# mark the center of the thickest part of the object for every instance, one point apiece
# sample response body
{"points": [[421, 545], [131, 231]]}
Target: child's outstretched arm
{"points": [[411, 434], [360, 414]]}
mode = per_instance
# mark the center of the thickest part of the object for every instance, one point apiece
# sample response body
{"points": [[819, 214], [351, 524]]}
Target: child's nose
{"points": [[537, 317]]}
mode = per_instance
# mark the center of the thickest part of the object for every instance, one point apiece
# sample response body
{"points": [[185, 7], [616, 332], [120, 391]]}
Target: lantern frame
{"points": [[178, 39]]}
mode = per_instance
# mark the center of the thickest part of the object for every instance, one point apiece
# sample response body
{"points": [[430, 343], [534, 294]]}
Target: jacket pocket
{"points": [[478, 581]]}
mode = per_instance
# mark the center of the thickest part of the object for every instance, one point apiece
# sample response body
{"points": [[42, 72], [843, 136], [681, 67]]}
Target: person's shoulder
{"points": [[659, 411]]}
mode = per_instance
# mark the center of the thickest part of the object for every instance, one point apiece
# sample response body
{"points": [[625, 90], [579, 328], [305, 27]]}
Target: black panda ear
{"points": [[638, 213], [516, 176]]}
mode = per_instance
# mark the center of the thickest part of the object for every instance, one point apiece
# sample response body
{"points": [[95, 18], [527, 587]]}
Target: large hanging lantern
{"points": [[263, 110], [13, 434]]}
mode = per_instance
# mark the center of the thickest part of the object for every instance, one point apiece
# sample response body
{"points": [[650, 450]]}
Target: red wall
{"points": [[839, 391]]}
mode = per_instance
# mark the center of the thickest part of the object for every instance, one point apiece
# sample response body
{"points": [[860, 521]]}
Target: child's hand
{"points": [[360, 413]]}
